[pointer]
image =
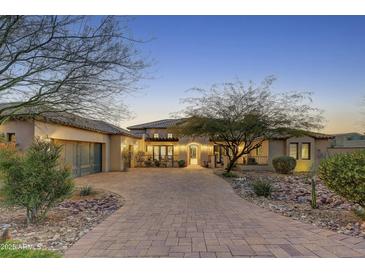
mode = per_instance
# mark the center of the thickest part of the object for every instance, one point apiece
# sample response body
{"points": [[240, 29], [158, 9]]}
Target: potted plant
{"points": [[181, 163]]}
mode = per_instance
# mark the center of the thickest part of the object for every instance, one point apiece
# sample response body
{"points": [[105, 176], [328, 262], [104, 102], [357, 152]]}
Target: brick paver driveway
{"points": [[194, 213]]}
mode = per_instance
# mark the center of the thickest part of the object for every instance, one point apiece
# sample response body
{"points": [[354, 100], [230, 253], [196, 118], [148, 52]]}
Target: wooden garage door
{"points": [[82, 157]]}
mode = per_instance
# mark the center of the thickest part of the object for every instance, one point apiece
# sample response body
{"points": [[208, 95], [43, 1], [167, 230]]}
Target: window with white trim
{"points": [[306, 151], [293, 150]]}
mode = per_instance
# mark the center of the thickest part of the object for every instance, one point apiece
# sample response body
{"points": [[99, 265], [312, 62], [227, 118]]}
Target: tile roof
{"points": [[165, 123], [72, 120], [315, 135]]}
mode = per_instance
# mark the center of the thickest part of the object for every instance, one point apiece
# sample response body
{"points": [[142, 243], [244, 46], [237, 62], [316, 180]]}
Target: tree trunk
{"points": [[231, 164]]}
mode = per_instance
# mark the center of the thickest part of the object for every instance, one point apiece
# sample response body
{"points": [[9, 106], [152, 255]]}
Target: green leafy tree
{"points": [[35, 180], [242, 117], [345, 175]]}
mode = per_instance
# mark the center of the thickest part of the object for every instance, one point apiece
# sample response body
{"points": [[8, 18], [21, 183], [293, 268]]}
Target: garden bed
{"points": [[291, 197], [65, 224]]}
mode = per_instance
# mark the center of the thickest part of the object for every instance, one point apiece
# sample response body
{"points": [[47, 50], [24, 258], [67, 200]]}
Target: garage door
{"points": [[82, 157]]}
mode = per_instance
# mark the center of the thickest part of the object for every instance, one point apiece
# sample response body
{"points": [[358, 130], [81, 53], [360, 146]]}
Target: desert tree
{"points": [[241, 117], [79, 64]]}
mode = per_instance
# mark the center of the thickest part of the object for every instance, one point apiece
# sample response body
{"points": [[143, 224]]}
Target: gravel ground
{"points": [[65, 224], [291, 197]]}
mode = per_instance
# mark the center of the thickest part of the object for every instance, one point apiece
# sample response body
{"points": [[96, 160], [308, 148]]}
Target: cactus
{"points": [[312, 175]]}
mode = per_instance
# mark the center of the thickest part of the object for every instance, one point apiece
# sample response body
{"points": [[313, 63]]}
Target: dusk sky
{"points": [[323, 55]]}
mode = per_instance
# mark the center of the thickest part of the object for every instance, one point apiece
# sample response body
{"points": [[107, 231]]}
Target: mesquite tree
{"points": [[241, 117], [81, 64]]}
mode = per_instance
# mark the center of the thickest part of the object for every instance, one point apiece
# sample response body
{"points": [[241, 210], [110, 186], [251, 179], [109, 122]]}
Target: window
{"points": [[155, 135], [293, 150], [259, 151], [170, 152], [306, 151], [163, 153], [156, 153], [149, 150], [169, 135], [218, 152], [11, 137]]}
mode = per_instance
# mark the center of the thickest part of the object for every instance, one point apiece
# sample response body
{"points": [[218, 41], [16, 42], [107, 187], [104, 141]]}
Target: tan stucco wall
{"points": [[276, 148], [53, 131], [137, 146], [319, 150], [24, 132], [302, 165], [115, 153]]}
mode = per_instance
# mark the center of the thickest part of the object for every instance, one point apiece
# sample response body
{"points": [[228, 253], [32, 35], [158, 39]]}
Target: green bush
{"points": [[34, 180], [345, 175], [262, 188], [251, 161], [360, 212], [157, 163], [13, 249], [148, 163], [181, 163], [284, 164], [229, 174], [86, 191]]}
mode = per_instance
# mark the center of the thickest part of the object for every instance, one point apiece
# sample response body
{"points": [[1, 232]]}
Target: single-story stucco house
{"points": [[161, 145], [90, 146]]}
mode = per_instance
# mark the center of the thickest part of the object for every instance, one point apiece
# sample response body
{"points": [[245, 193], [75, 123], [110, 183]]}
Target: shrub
{"points": [[251, 161], [360, 212], [140, 158], [229, 174], [345, 175], [34, 180], [181, 163], [262, 188], [148, 163], [284, 164], [126, 159], [156, 163], [86, 191]]}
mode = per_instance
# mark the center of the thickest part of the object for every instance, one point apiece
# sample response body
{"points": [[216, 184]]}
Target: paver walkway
{"points": [[194, 213]]}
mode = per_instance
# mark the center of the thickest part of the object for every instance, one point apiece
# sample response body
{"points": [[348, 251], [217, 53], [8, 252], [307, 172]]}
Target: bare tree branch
{"points": [[85, 65], [238, 116]]}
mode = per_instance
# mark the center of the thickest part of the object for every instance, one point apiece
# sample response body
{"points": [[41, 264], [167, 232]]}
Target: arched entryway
{"points": [[193, 154]]}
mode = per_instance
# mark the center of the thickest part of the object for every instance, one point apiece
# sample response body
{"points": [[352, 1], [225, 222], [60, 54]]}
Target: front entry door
{"points": [[193, 155]]}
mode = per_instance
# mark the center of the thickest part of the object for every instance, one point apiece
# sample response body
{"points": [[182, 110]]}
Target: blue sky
{"points": [[321, 54]]}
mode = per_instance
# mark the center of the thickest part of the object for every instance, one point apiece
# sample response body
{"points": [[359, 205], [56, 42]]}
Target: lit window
{"points": [[11, 137], [306, 151], [155, 135], [169, 135], [293, 150], [149, 150]]}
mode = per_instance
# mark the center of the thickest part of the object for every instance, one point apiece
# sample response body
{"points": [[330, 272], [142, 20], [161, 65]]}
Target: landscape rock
{"points": [[291, 197], [65, 224]]}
